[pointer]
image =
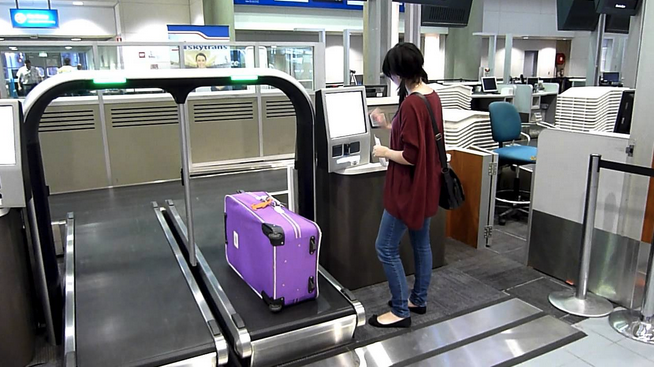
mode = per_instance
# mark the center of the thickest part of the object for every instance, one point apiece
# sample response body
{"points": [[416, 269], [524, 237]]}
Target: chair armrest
{"points": [[546, 124], [528, 137]]}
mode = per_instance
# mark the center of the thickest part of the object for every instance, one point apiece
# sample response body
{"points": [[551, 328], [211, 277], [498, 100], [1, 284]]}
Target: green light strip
{"points": [[244, 78], [113, 80]]}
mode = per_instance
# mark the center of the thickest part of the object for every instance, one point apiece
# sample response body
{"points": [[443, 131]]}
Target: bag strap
{"points": [[440, 144]]}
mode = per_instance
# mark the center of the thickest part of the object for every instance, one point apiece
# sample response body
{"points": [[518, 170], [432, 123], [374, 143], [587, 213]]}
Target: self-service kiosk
{"points": [[350, 187], [17, 322]]}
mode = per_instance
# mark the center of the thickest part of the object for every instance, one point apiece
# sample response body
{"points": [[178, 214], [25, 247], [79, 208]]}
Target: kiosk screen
{"points": [[345, 113], [7, 139]]}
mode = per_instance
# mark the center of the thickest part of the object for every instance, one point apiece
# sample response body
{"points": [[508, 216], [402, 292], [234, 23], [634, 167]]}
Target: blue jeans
{"points": [[390, 234]]}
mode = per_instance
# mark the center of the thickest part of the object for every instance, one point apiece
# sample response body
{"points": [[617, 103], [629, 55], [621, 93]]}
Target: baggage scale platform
{"points": [[263, 337]]}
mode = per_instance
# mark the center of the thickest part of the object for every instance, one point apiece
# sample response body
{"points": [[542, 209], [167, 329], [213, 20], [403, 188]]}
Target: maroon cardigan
{"points": [[411, 193]]}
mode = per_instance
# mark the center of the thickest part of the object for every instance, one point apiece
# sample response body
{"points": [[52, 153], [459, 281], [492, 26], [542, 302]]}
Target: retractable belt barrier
{"points": [[636, 325]]}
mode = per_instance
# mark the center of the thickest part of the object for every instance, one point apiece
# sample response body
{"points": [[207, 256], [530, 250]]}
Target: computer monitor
{"points": [[12, 192], [488, 85], [359, 79], [533, 81], [623, 122], [345, 113], [611, 77], [7, 136], [376, 91], [342, 128]]}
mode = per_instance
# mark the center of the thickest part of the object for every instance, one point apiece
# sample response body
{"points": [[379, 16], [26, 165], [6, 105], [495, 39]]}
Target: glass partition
{"points": [[27, 66], [50, 58], [297, 61]]}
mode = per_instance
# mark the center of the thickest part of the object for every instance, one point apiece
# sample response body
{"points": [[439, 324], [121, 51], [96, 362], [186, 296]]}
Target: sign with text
{"points": [[34, 18], [325, 4]]}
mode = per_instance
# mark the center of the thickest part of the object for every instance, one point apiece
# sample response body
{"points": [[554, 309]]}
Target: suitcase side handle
{"points": [[313, 246]]}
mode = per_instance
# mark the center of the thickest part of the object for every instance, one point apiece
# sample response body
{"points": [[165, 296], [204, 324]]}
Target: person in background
{"points": [[28, 77], [201, 60], [79, 67], [66, 68], [412, 186]]}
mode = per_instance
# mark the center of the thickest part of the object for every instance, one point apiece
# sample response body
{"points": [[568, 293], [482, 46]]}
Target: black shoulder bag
{"points": [[451, 196]]}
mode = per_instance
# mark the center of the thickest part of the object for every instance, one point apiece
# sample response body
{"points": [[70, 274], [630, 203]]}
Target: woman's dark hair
{"points": [[200, 54], [405, 60]]}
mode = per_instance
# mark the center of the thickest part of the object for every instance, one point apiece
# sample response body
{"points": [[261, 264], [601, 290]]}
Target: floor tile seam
{"points": [[626, 349], [591, 331], [523, 284], [649, 358], [609, 329], [511, 234]]}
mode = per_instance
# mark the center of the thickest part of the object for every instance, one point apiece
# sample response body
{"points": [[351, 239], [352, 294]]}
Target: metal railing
{"points": [[634, 324]]}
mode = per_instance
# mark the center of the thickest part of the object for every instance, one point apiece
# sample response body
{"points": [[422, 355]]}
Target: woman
{"points": [[412, 184]]}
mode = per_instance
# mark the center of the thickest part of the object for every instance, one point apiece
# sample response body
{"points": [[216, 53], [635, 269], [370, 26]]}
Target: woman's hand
{"points": [[380, 151], [379, 118]]}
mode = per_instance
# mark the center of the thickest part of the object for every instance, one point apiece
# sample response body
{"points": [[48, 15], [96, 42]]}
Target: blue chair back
{"points": [[506, 124]]}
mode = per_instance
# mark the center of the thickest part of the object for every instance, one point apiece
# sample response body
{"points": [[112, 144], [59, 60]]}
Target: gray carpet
{"points": [[451, 291], [497, 271], [536, 294], [505, 242]]}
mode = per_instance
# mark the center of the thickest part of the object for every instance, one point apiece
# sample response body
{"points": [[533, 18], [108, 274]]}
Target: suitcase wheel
{"points": [[274, 305], [274, 308]]}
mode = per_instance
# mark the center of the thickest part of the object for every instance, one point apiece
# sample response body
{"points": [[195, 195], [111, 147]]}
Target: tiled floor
{"points": [[603, 347]]}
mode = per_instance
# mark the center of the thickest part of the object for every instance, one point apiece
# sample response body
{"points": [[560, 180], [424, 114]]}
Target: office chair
{"points": [[506, 128]]}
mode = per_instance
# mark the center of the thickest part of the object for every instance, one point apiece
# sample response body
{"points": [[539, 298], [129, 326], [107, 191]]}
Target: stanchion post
{"points": [[590, 209], [639, 325], [580, 302], [184, 137]]}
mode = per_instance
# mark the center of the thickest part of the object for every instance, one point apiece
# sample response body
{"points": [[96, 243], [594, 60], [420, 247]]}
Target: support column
{"points": [[377, 21], [595, 53], [508, 53], [220, 12], [412, 20], [492, 51], [346, 57], [463, 48], [632, 48]]}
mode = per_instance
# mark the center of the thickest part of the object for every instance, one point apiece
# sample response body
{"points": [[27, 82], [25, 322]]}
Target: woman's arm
{"points": [[396, 156]]}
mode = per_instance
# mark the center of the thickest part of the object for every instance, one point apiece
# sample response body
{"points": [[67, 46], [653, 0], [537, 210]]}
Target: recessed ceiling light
{"points": [[78, 3], [2, 39], [525, 38], [75, 39], [68, 47], [13, 48]]}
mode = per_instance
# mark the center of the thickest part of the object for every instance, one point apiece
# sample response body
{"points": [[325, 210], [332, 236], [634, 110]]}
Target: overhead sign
{"points": [[34, 18], [184, 32], [326, 4]]}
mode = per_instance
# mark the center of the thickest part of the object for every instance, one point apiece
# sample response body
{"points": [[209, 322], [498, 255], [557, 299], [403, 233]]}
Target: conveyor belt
{"points": [[260, 322], [264, 337], [133, 304]]}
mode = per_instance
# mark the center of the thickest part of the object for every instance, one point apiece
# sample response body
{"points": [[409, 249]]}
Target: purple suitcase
{"points": [[273, 249]]}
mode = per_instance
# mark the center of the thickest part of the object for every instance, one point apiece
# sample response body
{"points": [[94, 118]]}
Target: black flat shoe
{"points": [[418, 310], [404, 323]]}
